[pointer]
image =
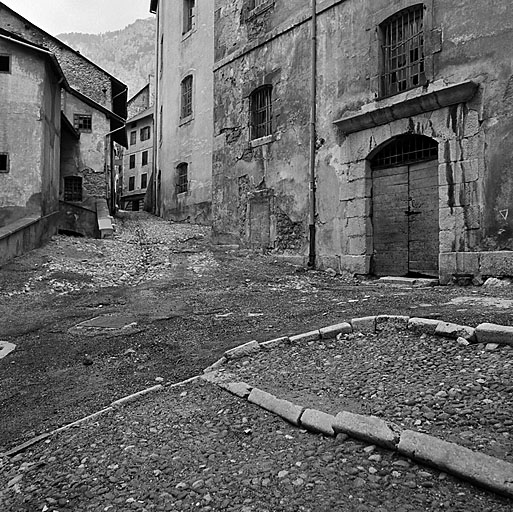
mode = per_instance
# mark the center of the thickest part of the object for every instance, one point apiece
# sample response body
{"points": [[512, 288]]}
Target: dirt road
{"points": [[166, 304]]}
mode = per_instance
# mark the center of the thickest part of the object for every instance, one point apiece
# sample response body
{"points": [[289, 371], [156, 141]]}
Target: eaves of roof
{"points": [[6, 36], [66, 125], [97, 106], [145, 113], [27, 22]]}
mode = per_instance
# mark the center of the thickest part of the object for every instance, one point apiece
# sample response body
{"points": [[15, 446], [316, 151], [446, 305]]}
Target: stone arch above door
{"points": [[405, 209]]}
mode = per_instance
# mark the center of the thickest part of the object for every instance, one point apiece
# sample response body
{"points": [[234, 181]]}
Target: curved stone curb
{"points": [[116, 404], [478, 468]]}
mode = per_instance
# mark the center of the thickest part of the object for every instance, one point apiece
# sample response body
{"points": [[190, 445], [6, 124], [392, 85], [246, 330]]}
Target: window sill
{"points": [[262, 140], [186, 120], [260, 9], [188, 34]]}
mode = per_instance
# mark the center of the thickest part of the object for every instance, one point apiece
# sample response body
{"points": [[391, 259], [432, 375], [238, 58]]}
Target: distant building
{"points": [[30, 144], [137, 161], [184, 109], [414, 121]]}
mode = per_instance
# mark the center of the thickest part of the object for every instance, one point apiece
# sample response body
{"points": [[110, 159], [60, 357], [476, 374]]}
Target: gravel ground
{"points": [[203, 449], [462, 394]]}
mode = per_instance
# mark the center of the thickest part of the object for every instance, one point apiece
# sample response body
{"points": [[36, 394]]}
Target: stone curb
{"points": [[478, 468], [116, 404]]}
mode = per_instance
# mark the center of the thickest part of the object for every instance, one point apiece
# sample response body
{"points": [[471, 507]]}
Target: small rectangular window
{"points": [[131, 183], [145, 133], [260, 107], [186, 90], [83, 122], [133, 138], [144, 158], [5, 63], [182, 184], [132, 162], [73, 188], [188, 15], [4, 162], [144, 180]]}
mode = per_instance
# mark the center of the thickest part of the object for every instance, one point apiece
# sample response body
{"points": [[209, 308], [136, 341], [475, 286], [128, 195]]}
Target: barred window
{"points": [[402, 46], [133, 138], [406, 149], [188, 15], [72, 188], [83, 122], [260, 107], [182, 184], [186, 89], [131, 164]]}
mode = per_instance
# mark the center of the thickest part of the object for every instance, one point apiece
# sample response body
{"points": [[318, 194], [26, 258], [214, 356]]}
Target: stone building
{"points": [[183, 109], [408, 169], [137, 160], [95, 105], [30, 128]]}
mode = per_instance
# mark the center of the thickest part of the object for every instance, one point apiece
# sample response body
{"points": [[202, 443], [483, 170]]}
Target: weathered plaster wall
{"points": [[82, 74], [465, 41], [279, 169], [89, 160], [22, 133], [188, 141], [140, 102]]}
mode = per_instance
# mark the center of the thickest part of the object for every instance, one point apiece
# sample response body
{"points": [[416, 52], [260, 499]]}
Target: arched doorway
{"points": [[405, 207]]}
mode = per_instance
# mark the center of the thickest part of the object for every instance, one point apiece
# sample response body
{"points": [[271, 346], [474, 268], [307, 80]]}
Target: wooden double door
{"points": [[406, 219]]}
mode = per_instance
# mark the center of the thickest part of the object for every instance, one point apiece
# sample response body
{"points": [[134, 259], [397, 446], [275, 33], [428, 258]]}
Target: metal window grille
{"points": [[406, 150], [83, 122], [4, 162], [188, 15], [186, 97], [403, 51], [182, 184], [72, 188], [131, 183], [261, 112], [131, 164], [144, 158], [144, 180]]}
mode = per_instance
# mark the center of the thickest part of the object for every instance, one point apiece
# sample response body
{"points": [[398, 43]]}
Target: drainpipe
{"points": [[313, 135]]}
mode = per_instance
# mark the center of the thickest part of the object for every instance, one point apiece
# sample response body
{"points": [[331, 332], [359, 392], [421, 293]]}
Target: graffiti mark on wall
{"points": [[504, 214]]}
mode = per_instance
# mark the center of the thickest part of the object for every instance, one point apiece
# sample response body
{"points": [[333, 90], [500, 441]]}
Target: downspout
{"points": [[156, 111], [313, 135]]}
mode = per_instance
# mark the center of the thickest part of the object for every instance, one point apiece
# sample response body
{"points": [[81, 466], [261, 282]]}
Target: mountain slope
{"points": [[128, 54]]}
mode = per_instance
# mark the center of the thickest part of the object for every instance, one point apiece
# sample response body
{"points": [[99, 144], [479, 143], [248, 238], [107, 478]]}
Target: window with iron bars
{"points": [[182, 184], [402, 47], [260, 108], [406, 149], [72, 188], [188, 15], [186, 109], [83, 122]]}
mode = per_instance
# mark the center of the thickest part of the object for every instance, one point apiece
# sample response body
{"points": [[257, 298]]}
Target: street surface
{"points": [[95, 320]]}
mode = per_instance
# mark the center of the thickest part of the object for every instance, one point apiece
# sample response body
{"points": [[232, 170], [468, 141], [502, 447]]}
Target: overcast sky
{"points": [[88, 16]]}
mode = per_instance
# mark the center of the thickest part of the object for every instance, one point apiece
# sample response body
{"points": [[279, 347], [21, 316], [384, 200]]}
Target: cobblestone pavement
{"points": [[198, 448], [189, 303]]}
